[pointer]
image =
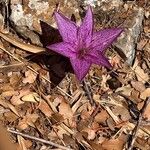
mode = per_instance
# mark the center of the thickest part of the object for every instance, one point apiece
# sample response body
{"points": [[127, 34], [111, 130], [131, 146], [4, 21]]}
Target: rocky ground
{"points": [[42, 104]]}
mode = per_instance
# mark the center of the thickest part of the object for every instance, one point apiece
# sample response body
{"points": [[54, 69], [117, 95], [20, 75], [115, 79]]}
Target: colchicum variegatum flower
{"points": [[81, 44]]}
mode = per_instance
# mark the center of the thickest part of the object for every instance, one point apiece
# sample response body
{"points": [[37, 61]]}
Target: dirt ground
{"points": [[42, 104]]}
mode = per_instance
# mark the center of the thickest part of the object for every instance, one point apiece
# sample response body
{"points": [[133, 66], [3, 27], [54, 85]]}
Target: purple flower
{"points": [[81, 44]]}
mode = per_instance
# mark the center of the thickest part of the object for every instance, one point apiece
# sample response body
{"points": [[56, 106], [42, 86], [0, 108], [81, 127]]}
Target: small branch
{"points": [[135, 130], [38, 139], [88, 92]]}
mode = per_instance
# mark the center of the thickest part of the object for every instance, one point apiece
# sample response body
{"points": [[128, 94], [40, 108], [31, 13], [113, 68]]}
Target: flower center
{"points": [[82, 52]]}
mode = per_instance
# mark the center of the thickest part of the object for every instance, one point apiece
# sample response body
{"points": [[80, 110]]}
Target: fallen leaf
{"points": [[91, 133], [45, 108], [28, 120], [102, 116], [135, 96], [30, 77], [113, 144], [15, 80], [8, 93], [14, 110], [11, 117], [32, 97], [141, 75], [69, 141], [16, 99], [138, 85], [67, 113], [146, 113], [9, 106], [21, 142], [145, 93], [126, 90]]}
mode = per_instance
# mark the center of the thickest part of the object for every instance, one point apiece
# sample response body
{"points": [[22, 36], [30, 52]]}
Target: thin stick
{"points": [[135, 130], [38, 139], [88, 92], [29, 67], [9, 66]]}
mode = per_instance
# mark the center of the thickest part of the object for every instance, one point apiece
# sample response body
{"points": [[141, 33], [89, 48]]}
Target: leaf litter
{"points": [[31, 105]]}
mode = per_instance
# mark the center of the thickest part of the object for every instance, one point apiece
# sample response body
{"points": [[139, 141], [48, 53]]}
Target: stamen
{"points": [[82, 52]]}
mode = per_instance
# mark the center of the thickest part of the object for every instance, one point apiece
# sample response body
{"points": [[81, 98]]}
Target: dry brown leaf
{"points": [[6, 87], [32, 97], [16, 99], [57, 118], [9, 93], [28, 120], [11, 117], [126, 90], [67, 113], [52, 135], [141, 44], [65, 110], [21, 142], [104, 81], [113, 144], [95, 146], [14, 110], [30, 77], [96, 97], [9, 106], [69, 141], [141, 75], [135, 96], [138, 85], [15, 80], [102, 116], [146, 113], [140, 105], [91, 133], [59, 131], [45, 109], [86, 111], [145, 93]]}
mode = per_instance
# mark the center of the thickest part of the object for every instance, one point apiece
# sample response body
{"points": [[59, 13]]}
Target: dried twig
{"points": [[88, 92], [136, 128], [11, 66], [38, 139]]}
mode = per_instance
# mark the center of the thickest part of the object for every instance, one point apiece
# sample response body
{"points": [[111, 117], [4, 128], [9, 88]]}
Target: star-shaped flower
{"points": [[81, 44]]}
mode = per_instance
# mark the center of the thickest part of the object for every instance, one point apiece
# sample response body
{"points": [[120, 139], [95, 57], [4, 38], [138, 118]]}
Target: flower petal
{"points": [[65, 49], [99, 60], [66, 27], [86, 29], [80, 67], [104, 38]]}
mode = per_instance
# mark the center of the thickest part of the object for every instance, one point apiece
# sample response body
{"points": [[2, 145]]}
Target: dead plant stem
{"points": [[38, 139]]}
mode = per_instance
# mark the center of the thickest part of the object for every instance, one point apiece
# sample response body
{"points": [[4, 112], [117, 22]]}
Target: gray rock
{"points": [[133, 27], [104, 4], [1, 22]]}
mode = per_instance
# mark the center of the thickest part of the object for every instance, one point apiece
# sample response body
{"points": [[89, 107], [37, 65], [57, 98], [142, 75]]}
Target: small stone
{"points": [[133, 27]]}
